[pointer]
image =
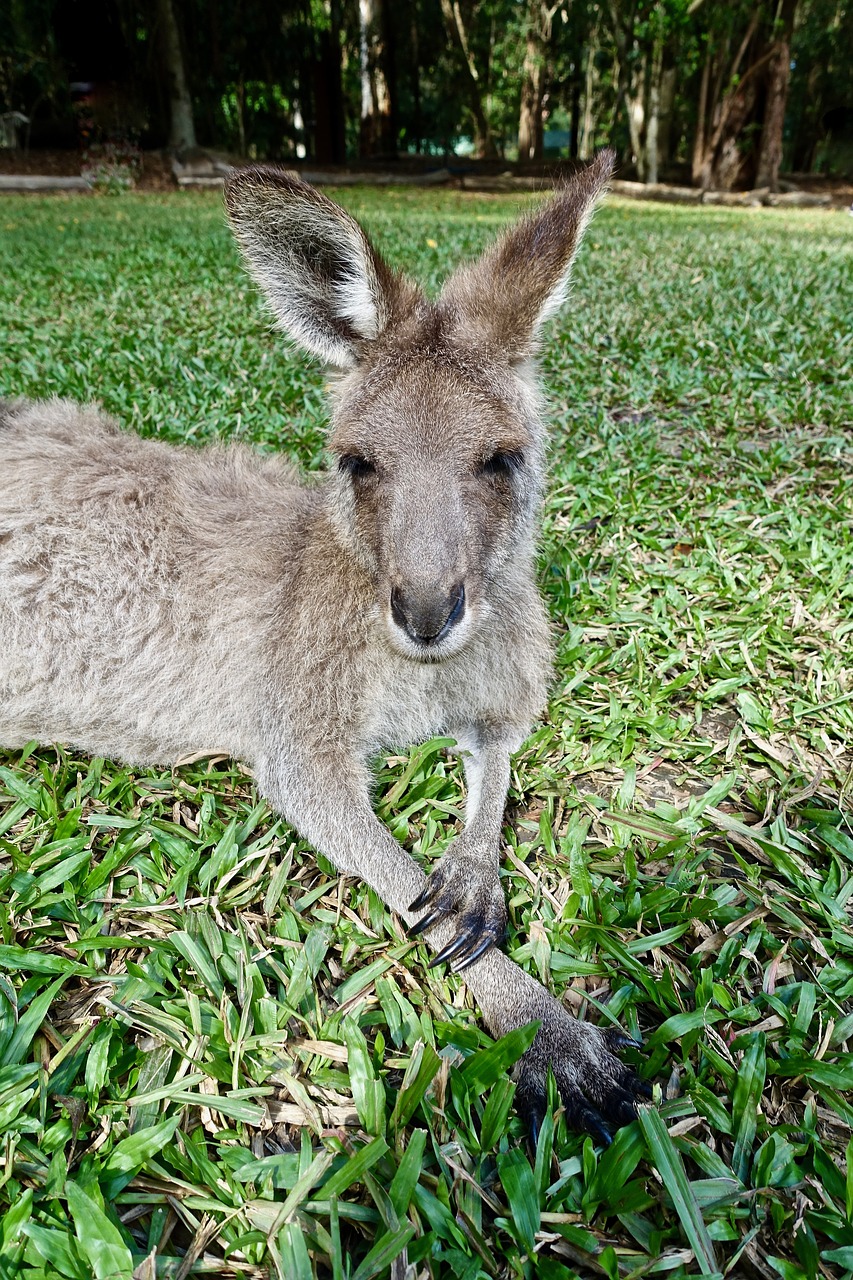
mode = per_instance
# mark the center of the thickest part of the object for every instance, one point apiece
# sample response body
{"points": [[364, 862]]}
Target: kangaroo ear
{"points": [[329, 288], [523, 279]]}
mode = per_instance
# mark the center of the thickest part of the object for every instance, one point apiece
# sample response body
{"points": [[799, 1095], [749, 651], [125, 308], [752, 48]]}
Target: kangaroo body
{"points": [[159, 601], [196, 547]]}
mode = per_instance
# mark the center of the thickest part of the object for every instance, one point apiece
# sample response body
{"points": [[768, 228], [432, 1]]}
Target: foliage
{"points": [[818, 86], [31, 70], [281, 81], [214, 1048], [112, 167]]}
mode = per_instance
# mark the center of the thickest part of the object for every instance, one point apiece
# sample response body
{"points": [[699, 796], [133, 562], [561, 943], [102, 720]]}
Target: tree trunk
{"points": [[329, 135], [389, 66], [531, 96], [575, 116], [540, 21], [770, 154], [484, 142], [636, 113], [539, 136], [182, 127], [629, 88], [667, 103], [697, 164], [587, 138], [376, 135], [303, 114], [655, 77], [730, 168], [720, 159], [329, 126], [240, 95], [415, 61]]}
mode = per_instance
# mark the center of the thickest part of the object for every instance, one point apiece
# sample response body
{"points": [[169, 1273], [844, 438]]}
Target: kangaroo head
{"points": [[436, 431]]}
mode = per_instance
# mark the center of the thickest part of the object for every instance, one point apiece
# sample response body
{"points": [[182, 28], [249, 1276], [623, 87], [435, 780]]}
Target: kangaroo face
{"points": [[436, 436], [437, 474]]}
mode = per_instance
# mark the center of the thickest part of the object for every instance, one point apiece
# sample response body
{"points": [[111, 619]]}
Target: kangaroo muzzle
{"points": [[427, 616]]}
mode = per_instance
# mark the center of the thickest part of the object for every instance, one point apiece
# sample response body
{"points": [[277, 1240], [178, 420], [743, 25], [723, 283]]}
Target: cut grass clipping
{"points": [[218, 1057]]}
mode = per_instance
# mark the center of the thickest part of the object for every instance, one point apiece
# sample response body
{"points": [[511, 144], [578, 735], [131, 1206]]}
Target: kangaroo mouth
{"points": [[427, 627], [429, 635]]}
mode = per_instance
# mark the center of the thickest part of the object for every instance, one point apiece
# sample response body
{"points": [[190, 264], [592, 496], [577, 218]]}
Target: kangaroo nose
{"points": [[427, 617]]}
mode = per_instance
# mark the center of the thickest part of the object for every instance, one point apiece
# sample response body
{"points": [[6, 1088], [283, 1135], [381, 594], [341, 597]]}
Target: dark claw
{"points": [[582, 1116], [426, 922], [421, 900], [622, 1110], [598, 1093], [589, 1121], [531, 1105], [599, 1132], [429, 892], [484, 946], [618, 1039], [460, 943]]}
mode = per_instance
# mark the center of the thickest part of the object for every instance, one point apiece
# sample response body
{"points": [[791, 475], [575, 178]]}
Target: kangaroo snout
{"points": [[427, 615]]}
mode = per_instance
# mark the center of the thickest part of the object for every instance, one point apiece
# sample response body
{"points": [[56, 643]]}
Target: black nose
{"points": [[427, 616]]}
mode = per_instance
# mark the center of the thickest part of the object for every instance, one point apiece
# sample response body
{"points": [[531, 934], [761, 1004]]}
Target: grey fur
{"points": [[158, 601]]}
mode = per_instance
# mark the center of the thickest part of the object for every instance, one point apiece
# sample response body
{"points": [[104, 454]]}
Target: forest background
{"points": [[719, 95]]}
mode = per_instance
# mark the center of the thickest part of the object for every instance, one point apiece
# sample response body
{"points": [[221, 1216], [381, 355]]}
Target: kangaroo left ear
{"points": [[326, 283], [523, 279]]}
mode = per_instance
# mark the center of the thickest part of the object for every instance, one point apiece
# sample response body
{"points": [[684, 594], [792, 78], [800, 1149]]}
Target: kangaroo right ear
{"points": [[327, 285], [522, 280]]}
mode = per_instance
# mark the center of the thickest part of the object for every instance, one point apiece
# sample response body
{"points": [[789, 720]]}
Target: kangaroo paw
{"points": [[470, 889], [598, 1091]]}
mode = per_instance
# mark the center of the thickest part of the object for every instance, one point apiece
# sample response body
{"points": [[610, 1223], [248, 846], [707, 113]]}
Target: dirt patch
{"points": [[156, 174], [662, 782], [54, 164], [840, 190], [669, 783]]}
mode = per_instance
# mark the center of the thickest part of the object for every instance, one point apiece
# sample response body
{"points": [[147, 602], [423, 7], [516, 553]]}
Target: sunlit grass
{"points": [[215, 1049]]}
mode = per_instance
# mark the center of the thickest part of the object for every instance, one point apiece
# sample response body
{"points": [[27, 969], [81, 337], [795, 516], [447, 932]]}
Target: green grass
{"points": [[214, 1049]]}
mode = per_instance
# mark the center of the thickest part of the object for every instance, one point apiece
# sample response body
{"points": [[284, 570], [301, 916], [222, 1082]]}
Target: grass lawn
{"points": [[212, 1047]]}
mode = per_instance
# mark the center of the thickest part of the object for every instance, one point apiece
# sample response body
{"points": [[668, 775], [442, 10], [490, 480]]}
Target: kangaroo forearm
{"points": [[507, 996], [354, 839], [487, 773], [591, 1081]]}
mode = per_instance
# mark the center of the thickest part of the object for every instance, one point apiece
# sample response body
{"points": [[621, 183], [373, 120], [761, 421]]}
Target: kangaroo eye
{"points": [[503, 462], [356, 465]]}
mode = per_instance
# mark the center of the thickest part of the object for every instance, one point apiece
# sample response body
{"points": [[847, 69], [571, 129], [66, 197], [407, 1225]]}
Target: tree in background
{"points": [[33, 77], [819, 95], [378, 134], [650, 39], [743, 93], [475, 72], [181, 123], [537, 50], [727, 93]]}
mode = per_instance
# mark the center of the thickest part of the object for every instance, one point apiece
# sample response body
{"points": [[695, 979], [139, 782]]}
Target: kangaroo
{"points": [[158, 600]]}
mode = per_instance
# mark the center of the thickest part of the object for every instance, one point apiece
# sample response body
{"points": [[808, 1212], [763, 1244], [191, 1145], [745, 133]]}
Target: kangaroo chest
{"points": [[486, 684]]}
